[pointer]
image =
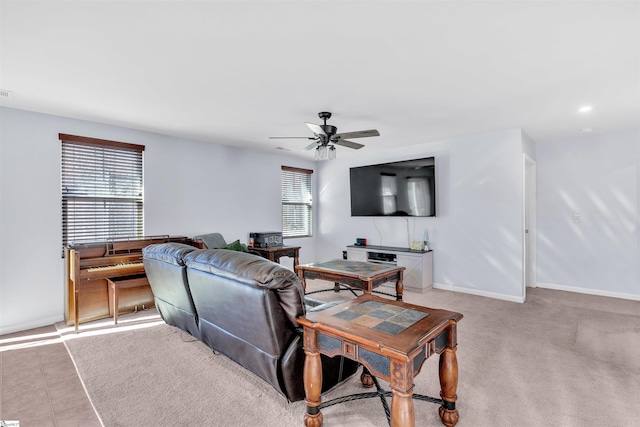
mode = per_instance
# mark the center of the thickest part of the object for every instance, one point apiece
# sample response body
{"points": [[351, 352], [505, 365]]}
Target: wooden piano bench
{"points": [[125, 282]]}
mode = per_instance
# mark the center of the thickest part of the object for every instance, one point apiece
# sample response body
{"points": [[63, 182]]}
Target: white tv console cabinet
{"points": [[418, 274]]}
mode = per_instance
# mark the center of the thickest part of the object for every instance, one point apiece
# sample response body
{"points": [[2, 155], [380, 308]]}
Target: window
{"points": [[296, 202], [102, 190], [389, 193], [417, 193]]}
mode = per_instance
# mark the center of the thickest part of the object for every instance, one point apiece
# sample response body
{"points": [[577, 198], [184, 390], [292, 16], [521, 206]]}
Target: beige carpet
{"points": [[560, 359]]}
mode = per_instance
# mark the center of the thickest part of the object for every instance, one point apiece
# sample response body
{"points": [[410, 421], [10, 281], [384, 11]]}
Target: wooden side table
{"points": [[391, 339], [274, 253]]}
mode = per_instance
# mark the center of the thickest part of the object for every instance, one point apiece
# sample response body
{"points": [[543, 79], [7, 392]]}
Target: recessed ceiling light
{"points": [[585, 109]]}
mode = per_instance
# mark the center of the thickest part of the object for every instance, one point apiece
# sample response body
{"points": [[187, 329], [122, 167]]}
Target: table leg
{"points": [[402, 412], [302, 280], [448, 385], [295, 258], [312, 388], [399, 286], [401, 382], [366, 378]]}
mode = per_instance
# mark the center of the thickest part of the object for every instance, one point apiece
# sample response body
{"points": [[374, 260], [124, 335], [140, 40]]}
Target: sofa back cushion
{"points": [[254, 272]]}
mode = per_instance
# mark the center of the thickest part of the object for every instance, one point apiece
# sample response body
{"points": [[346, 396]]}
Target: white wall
{"points": [[194, 187], [528, 146], [190, 188], [477, 234], [596, 178]]}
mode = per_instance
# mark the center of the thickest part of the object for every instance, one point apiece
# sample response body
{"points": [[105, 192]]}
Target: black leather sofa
{"points": [[241, 305]]}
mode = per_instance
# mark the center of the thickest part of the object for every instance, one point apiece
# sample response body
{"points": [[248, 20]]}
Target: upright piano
{"points": [[90, 266]]}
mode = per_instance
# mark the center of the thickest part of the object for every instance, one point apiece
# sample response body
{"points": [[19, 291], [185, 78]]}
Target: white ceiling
{"points": [[237, 72]]}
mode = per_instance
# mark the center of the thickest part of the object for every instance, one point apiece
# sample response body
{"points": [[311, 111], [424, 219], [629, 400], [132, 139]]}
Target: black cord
{"points": [[186, 340]]}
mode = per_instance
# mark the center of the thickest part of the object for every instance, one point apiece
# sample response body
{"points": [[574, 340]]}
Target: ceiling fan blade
{"points": [[291, 137], [359, 134], [316, 129], [310, 146], [349, 144]]}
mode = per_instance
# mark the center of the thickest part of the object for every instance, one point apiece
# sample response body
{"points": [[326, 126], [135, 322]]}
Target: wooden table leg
{"points": [[365, 378], [400, 286], [402, 412], [449, 382], [302, 280], [312, 384], [401, 382]]}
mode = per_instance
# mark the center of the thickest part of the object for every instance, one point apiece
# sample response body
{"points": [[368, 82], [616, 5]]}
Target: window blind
{"points": [[297, 207], [102, 189]]}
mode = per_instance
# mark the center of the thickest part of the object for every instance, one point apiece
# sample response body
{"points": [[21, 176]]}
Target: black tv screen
{"points": [[406, 188]]}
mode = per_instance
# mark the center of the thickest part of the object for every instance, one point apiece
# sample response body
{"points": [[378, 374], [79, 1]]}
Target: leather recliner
{"points": [[245, 307]]}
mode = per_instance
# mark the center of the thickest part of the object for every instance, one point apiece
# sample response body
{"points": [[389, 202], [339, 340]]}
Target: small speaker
{"points": [[361, 242]]}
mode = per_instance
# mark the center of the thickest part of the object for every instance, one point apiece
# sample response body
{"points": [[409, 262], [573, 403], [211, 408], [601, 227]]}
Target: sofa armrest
{"points": [[210, 240]]}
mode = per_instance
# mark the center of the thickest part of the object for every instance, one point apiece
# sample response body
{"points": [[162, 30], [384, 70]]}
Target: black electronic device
{"points": [[404, 188], [361, 242], [381, 257], [266, 239]]}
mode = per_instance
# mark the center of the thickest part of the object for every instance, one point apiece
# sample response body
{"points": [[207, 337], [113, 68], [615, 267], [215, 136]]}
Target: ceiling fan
{"points": [[326, 137]]}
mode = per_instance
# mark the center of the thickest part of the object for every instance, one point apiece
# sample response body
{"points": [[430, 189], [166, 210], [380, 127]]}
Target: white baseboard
{"points": [[454, 288], [19, 327], [597, 292]]}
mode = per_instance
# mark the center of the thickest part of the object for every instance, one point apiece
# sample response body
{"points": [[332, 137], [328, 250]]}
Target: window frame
{"points": [[302, 202], [113, 185]]}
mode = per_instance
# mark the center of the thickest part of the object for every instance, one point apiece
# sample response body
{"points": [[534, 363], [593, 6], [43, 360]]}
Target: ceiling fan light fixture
{"points": [[321, 152], [325, 152]]}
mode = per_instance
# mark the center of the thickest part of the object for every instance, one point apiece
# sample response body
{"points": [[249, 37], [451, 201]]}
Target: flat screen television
{"points": [[405, 188]]}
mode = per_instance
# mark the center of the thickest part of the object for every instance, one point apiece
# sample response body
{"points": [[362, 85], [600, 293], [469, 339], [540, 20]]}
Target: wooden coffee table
{"points": [[391, 339], [365, 276]]}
